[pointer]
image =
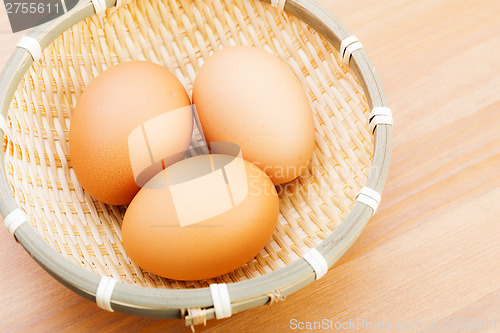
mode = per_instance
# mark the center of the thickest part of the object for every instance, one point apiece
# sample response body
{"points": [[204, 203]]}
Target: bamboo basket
{"points": [[77, 239]]}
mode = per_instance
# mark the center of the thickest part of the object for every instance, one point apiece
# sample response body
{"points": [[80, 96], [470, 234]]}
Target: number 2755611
{"points": [[32, 8], [468, 324]]}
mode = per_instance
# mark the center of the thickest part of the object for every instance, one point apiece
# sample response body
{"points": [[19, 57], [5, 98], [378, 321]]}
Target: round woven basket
{"points": [[78, 239]]}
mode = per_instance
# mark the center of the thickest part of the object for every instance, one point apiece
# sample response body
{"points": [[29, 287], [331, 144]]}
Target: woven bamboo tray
{"points": [[77, 239]]}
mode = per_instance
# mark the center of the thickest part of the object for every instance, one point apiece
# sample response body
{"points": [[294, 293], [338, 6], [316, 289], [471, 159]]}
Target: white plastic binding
{"points": [[347, 47], [370, 198], [104, 292], [380, 115], [317, 262], [15, 219], [32, 46], [222, 302], [280, 4], [99, 6]]}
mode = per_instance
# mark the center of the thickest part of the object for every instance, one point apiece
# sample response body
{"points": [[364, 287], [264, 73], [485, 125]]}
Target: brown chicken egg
{"points": [[201, 217], [129, 119], [249, 97]]}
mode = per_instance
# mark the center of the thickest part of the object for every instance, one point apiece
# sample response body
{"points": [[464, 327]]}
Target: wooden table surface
{"points": [[429, 260]]}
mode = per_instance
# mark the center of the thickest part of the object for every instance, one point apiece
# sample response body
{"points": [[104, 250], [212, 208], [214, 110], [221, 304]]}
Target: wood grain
{"points": [[431, 252]]}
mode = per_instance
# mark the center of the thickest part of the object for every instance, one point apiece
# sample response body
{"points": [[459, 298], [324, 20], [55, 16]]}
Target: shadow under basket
{"points": [[78, 239]]}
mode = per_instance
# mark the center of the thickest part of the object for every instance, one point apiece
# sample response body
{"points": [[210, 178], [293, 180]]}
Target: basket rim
{"points": [[172, 303]]}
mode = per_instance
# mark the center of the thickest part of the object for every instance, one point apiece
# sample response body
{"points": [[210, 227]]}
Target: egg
{"points": [[247, 96], [131, 121], [201, 217]]}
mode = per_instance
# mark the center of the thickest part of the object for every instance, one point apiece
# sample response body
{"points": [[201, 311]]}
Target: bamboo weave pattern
{"points": [[180, 35]]}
